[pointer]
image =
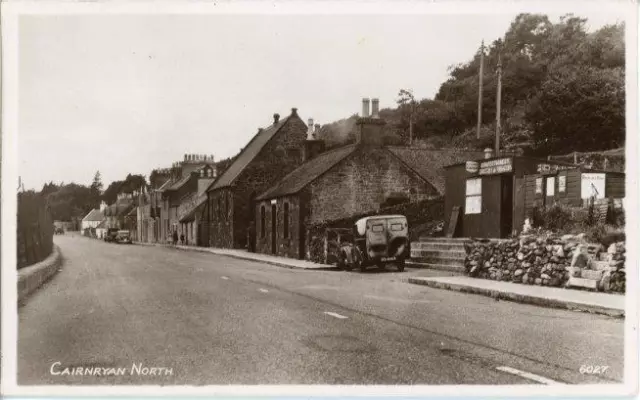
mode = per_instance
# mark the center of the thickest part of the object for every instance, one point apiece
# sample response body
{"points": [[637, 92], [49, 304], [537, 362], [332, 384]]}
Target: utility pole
{"points": [[498, 99], [480, 78], [413, 110]]}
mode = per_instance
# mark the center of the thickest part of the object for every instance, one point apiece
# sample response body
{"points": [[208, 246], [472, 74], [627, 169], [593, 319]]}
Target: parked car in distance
{"points": [[378, 240], [123, 237], [58, 231], [111, 234]]}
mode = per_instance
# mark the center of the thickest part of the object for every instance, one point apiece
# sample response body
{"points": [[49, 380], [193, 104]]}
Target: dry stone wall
{"points": [[546, 260]]}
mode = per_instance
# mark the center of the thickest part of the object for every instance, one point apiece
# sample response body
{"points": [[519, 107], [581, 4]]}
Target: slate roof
{"points": [[94, 215], [165, 185], [430, 163], [308, 172], [247, 155], [191, 214], [102, 224], [177, 185]]}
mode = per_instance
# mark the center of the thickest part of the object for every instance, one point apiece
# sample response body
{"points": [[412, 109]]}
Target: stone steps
{"points": [[443, 254], [425, 253], [439, 267]]}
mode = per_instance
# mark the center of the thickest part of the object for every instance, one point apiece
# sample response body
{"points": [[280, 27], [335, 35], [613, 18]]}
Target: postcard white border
{"points": [[11, 12]]}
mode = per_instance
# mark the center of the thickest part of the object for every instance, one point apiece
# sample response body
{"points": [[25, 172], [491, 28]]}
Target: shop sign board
{"points": [[544, 168], [494, 167]]}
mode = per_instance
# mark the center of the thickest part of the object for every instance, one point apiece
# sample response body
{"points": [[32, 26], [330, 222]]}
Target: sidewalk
{"points": [[599, 303], [245, 255]]}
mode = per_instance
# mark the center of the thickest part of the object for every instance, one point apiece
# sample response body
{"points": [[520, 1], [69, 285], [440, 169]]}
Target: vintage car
{"points": [[111, 234], [378, 240], [123, 236], [58, 231]]}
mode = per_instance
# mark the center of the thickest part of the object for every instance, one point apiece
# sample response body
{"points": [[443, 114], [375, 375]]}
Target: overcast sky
{"points": [[126, 94]]}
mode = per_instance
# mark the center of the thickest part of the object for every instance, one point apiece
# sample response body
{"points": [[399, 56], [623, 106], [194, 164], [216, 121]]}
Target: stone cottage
{"points": [[343, 182], [189, 178], [271, 154]]}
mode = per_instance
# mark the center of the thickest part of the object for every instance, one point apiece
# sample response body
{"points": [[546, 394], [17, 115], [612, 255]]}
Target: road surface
{"points": [[201, 319]]}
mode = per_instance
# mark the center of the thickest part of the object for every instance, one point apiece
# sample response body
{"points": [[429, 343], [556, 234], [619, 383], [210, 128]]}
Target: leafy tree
{"points": [[579, 109]]}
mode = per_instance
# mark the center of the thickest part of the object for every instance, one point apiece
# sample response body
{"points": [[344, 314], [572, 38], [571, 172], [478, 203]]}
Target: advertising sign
{"points": [[543, 168], [592, 185], [472, 167], [494, 167]]}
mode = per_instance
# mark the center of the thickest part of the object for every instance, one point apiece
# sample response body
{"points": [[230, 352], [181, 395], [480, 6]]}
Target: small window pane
{"points": [[538, 185], [396, 227], [377, 228], [562, 183], [473, 205], [474, 186]]}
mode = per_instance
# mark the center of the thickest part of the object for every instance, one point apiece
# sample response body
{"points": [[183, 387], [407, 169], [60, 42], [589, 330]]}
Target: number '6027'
{"points": [[593, 369]]}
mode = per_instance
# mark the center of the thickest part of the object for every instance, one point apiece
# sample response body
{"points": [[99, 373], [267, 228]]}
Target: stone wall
{"points": [[285, 246], [220, 218], [281, 155], [363, 182], [545, 260]]}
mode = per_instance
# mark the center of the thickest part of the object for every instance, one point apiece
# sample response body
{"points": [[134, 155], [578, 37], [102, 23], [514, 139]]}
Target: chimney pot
{"points": [[365, 107], [375, 104], [488, 153], [310, 129], [294, 111], [276, 118]]}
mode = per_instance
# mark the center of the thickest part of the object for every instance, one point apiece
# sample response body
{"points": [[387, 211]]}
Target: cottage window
{"points": [[285, 230], [551, 186], [562, 184], [262, 220], [201, 173], [538, 185], [473, 203], [219, 207], [209, 172], [226, 205]]}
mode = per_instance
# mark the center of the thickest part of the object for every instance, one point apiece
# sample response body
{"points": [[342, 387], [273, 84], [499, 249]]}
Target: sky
{"points": [[129, 93]]}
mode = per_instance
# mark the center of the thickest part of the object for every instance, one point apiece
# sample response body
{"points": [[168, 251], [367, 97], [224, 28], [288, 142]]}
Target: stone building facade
{"points": [[343, 182], [271, 154]]}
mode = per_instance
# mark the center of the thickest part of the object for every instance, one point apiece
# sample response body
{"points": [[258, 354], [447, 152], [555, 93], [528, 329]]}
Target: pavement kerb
{"points": [[32, 277], [237, 256], [520, 298]]}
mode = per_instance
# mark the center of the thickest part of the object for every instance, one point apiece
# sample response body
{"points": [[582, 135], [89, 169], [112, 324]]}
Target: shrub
{"points": [[604, 234]]}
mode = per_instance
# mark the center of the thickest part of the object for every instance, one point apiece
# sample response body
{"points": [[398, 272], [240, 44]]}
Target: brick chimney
{"points": [[369, 127], [312, 146]]}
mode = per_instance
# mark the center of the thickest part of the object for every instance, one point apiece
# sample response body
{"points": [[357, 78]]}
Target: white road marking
{"points": [[226, 278], [264, 290], [335, 315], [528, 375]]}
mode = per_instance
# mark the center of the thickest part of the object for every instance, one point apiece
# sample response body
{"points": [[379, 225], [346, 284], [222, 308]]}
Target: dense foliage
{"points": [[562, 91]]}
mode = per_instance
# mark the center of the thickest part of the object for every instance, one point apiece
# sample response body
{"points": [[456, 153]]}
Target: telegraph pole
{"points": [[498, 100], [480, 77]]}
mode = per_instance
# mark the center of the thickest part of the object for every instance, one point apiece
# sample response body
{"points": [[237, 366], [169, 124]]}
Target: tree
{"points": [[96, 189], [407, 105], [579, 109]]}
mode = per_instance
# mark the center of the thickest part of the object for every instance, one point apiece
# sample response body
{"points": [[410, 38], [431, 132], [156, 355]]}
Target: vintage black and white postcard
{"points": [[319, 198]]}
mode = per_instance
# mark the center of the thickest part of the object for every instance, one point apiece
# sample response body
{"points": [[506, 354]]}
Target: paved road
{"points": [[218, 320]]}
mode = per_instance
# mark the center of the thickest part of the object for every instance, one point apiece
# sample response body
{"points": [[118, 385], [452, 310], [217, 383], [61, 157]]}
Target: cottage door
{"points": [[506, 206], [273, 229]]}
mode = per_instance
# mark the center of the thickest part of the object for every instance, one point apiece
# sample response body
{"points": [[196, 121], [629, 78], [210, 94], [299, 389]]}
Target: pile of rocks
{"points": [[534, 260], [617, 258]]}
